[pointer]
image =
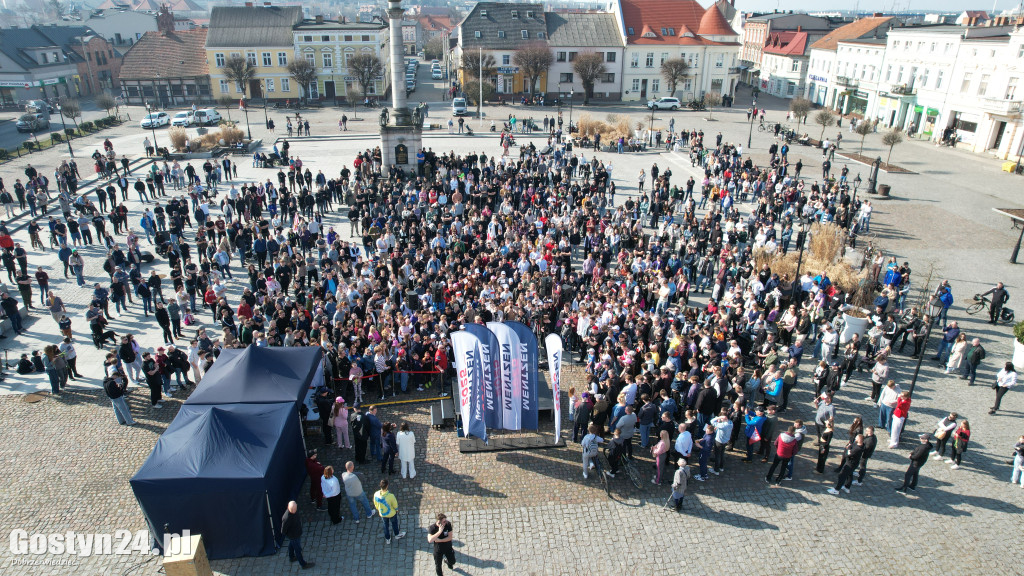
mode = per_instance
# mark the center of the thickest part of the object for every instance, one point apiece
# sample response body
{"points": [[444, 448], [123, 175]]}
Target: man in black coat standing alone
{"points": [[291, 528], [917, 459], [361, 428]]}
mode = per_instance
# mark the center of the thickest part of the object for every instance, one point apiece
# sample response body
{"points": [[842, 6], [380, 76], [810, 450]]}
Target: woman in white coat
{"points": [[406, 450]]}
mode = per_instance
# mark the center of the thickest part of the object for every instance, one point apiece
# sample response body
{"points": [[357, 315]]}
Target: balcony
{"points": [[1000, 106], [737, 69], [903, 90], [846, 81]]}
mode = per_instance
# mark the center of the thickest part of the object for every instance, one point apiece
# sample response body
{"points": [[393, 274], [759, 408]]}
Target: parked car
{"points": [[205, 117], [664, 104], [33, 122], [182, 119], [39, 106], [155, 120], [458, 106]]}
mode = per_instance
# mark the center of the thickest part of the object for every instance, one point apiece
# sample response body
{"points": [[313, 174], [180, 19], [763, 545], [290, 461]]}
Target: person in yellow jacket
{"points": [[387, 507]]}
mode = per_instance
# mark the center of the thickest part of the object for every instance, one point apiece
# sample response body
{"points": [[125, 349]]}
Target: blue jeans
{"points": [[645, 435], [789, 469], [405, 381], [295, 550], [78, 275], [362, 501], [944, 346], [119, 304], [885, 416], [703, 461], [54, 381], [121, 411], [375, 446], [147, 305], [390, 525], [940, 318], [16, 321]]}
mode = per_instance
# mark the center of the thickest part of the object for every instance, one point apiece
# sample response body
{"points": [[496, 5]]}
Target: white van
{"points": [[204, 117], [458, 106]]}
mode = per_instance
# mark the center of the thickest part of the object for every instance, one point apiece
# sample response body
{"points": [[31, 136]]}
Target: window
{"points": [[501, 33], [795, 67], [219, 59], [965, 85], [251, 57], [311, 58], [656, 85], [325, 38], [46, 59], [924, 77], [791, 89], [983, 85], [560, 57], [609, 78], [348, 37], [721, 61], [307, 38], [649, 62], [671, 31], [238, 87], [635, 61], [506, 59], [888, 72], [348, 58], [565, 77], [526, 34], [636, 84], [286, 85], [224, 87], [270, 84], [664, 31], [477, 34], [529, 13], [282, 58], [540, 35], [609, 57], [895, 44], [899, 75], [1020, 51], [483, 13], [1011, 88], [572, 56], [267, 60], [933, 47], [686, 84], [56, 56], [328, 60], [365, 38], [938, 79], [664, 56], [515, 13], [630, 32]]}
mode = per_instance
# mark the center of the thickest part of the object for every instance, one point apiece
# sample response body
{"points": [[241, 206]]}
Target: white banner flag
{"points": [[510, 376], [553, 343]]}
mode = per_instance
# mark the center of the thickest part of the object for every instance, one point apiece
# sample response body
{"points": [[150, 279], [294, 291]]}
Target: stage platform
{"points": [[508, 443]]}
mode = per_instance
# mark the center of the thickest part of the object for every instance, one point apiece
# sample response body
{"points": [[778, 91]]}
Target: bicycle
{"points": [[627, 466], [981, 303]]}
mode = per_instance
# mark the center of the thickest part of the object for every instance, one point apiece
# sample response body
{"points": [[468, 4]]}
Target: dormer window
{"points": [[515, 14], [529, 13], [630, 31], [478, 34], [483, 13], [664, 31], [650, 35], [540, 35], [671, 31], [501, 33], [526, 34]]}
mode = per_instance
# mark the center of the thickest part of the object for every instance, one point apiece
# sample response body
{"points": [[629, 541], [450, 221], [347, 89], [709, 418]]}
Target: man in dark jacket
{"points": [[870, 441], [999, 297], [917, 459], [291, 528], [975, 354], [361, 427], [707, 399], [324, 404]]}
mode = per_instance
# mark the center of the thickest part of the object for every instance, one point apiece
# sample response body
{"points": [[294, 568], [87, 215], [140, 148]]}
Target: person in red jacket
{"points": [[960, 439], [899, 417], [315, 470], [785, 447], [441, 365]]}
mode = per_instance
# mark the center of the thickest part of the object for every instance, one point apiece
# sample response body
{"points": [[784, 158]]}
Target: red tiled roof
{"points": [[852, 31], [179, 54], [680, 15], [713, 23], [786, 43]]}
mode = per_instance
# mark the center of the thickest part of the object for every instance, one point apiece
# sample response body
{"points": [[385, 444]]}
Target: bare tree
{"points": [[800, 107], [70, 108], [367, 68], [435, 49], [589, 66], [824, 118], [674, 71], [712, 99], [892, 139], [304, 72], [472, 90], [239, 70], [106, 101], [862, 129], [473, 63], [534, 59], [227, 102]]}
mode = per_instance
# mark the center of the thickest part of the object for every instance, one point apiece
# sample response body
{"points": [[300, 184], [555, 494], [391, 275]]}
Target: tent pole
{"points": [[270, 517], [302, 433]]}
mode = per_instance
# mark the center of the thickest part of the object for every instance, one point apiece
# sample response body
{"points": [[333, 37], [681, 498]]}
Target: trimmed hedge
{"points": [[56, 137], [28, 145], [87, 126]]}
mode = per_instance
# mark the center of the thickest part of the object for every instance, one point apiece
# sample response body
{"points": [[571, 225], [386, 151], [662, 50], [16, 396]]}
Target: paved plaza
{"points": [[66, 461]]}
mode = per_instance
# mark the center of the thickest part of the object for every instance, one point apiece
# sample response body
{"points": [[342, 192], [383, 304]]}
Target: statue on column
{"points": [[384, 117]]}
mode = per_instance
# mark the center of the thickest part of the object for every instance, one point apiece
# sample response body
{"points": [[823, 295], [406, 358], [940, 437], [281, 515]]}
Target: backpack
{"points": [[590, 445]]}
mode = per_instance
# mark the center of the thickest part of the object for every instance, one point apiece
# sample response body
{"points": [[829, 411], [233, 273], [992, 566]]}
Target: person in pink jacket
{"points": [[660, 453]]}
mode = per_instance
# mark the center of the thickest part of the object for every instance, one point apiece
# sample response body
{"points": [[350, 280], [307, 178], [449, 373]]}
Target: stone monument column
{"points": [[401, 131]]}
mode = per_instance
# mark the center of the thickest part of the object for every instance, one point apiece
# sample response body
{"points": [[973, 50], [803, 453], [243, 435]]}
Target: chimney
{"points": [[799, 28], [165, 20], [266, 4], [319, 19], [248, 4], [876, 15]]}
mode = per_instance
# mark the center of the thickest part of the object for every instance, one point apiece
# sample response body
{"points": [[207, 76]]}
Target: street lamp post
{"points": [[266, 119], [650, 133], [917, 368], [572, 92], [856, 185], [750, 132], [801, 238], [65, 126], [152, 126], [245, 108]]}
